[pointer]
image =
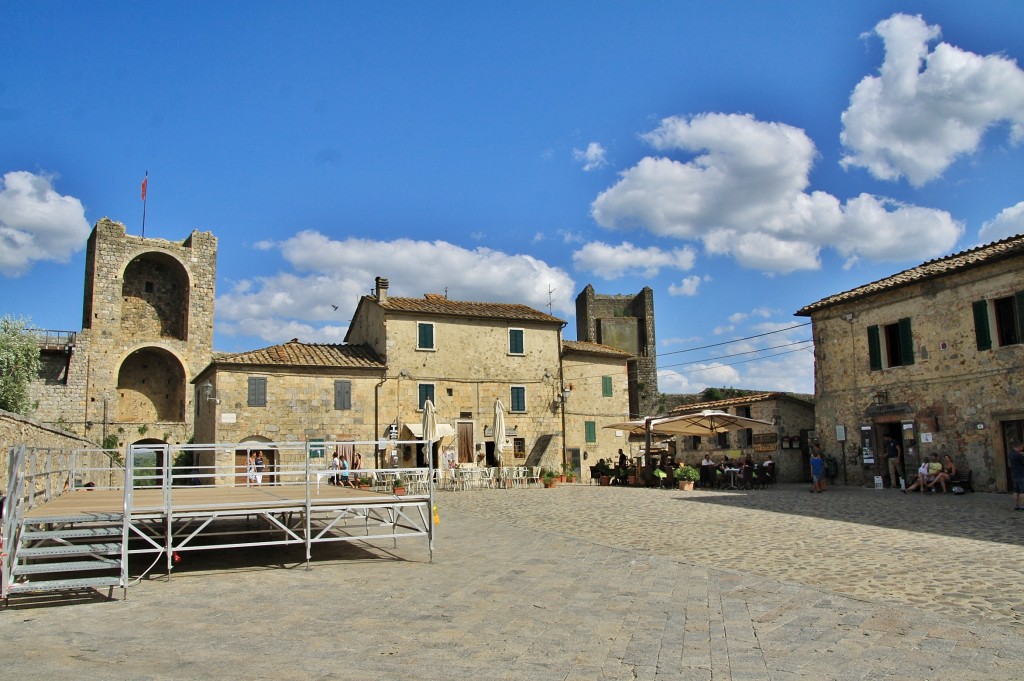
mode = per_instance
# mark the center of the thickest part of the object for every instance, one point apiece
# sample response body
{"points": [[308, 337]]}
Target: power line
{"points": [[734, 340], [742, 361], [747, 352]]}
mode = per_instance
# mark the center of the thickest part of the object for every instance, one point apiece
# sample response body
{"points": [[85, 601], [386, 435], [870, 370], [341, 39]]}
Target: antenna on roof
{"points": [[550, 298], [446, 293]]}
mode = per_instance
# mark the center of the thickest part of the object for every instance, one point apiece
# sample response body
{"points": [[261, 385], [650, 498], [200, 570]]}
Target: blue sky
{"points": [[743, 159]]}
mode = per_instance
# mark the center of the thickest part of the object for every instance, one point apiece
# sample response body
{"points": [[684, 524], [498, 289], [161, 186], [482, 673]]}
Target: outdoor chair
{"points": [[747, 477]]}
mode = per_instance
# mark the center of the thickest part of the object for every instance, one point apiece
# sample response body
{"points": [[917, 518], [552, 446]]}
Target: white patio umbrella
{"points": [[706, 422], [429, 428], [499, 429]]}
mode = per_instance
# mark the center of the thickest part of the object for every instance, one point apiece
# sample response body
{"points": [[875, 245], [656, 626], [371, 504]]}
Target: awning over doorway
{"points": [[416, 429]]}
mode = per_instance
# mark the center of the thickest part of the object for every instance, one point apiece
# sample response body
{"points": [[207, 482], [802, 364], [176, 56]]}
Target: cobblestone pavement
{"points": [[580, 583]]}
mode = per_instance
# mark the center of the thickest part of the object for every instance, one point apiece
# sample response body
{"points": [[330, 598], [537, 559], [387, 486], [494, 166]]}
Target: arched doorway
{"points": [[260, 449]]}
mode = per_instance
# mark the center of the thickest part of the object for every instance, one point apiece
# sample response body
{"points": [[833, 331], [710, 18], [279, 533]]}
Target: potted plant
{"points": [[687, 476], [549, 478], [398, 486], [604, 472], [631, 477], [363, 483]]}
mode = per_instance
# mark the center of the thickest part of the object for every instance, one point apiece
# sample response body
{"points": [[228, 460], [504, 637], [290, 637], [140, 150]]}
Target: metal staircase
{"points": [[60, 552]]}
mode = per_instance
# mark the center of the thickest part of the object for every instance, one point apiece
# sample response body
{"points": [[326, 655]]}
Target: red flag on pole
{"points": [[145, 181]]}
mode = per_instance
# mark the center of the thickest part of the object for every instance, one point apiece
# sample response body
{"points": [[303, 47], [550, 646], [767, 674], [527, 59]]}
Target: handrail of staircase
{"points": [[13, 508]]}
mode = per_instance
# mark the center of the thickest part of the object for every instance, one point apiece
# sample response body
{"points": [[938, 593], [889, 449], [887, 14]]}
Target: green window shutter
{"points": [[518, 400], [606, 386], [426, 337], [1018, 300], [906, 342], [981, 330], [874, 349], [426, 393], [257, 392], [515, 341], [343, 394], [591, 427]]}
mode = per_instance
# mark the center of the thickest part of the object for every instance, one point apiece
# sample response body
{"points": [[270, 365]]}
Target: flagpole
{"points": [[145, 186]]}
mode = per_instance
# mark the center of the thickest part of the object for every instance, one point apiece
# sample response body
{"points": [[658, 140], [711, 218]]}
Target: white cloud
{"points": [[593, 157], [743, 193], [688, 286], [696, 377], [611, 262], [1009, 222], [927, 108], [36, 223], [326, 272]]}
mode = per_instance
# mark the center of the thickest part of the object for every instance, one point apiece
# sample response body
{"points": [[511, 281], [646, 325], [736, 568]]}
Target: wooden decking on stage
{"points": [[147, 501]]}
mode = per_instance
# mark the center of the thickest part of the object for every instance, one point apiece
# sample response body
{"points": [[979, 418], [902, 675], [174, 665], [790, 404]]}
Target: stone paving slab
{"points": [[577, 583]]}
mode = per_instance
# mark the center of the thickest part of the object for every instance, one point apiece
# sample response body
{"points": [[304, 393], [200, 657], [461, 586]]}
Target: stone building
{"points": [[787, 441], [625, 322], [147, 328], [292, 392], [465, 355], [930, 356], [596, 395]]}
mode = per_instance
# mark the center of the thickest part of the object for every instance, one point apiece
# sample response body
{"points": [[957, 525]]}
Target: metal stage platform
{"points": [[72, 524]]}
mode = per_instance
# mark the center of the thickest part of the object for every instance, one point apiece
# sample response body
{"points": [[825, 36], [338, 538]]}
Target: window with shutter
{"points": [[591, 431], [343, 394], [257, 392], [518, 399], [426, 392], [516, 345], [606, 386], [425, 336]]}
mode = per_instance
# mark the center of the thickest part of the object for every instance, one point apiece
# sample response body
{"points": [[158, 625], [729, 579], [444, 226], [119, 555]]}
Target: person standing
{"points": [[894, 456], [260, 465], [335, 465], [1017, 474], [817, 471], [250, 470]]}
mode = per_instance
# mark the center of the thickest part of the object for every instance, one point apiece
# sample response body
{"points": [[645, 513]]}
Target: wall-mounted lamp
{"points": [[880, 398], [404, 374], [208, 392], [565, 394]]}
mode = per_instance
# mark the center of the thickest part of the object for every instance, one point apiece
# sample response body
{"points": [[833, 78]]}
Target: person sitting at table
{"points": [[707, 471], [768, 469]]}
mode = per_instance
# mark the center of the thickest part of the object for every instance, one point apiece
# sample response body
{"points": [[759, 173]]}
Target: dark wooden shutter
{"points": [[591, 428], [906, 342], [982, 334], [874, 348], [606, 386], [426, 338], [1018, 300]]}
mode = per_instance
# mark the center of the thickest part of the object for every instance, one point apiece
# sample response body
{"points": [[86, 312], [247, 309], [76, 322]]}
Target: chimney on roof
{"points": [[382, 290]]}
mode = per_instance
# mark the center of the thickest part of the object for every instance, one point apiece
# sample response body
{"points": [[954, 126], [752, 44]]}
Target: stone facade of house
{"points": [[464, 356], [147, 328], [787, 440], [598, 395], [932, 357]]}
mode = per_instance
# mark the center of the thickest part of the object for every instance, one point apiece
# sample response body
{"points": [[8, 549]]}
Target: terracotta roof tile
{"points": [[435, 303], [1013, 246], [296, 353], [592, 348], [735, 401]]}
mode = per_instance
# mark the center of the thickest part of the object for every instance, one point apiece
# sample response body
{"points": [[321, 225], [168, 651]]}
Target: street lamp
{"points": [[566, 391]]}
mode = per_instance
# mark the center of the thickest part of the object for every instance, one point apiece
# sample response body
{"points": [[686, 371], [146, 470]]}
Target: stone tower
{"points": [[625, 322], [147, 330]]}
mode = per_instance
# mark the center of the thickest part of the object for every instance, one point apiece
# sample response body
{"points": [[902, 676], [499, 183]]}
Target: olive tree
{"points": [[19, 364]]}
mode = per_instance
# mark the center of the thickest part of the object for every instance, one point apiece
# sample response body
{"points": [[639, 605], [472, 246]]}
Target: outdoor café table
{"points": [[730, 476]]}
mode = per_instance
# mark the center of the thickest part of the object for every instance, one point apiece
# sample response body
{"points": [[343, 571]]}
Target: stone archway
{"points": [[151, 387]]}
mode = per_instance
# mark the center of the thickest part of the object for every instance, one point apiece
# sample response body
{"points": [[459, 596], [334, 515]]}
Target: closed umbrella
{"points": [[499, 429], [429, 429]]}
